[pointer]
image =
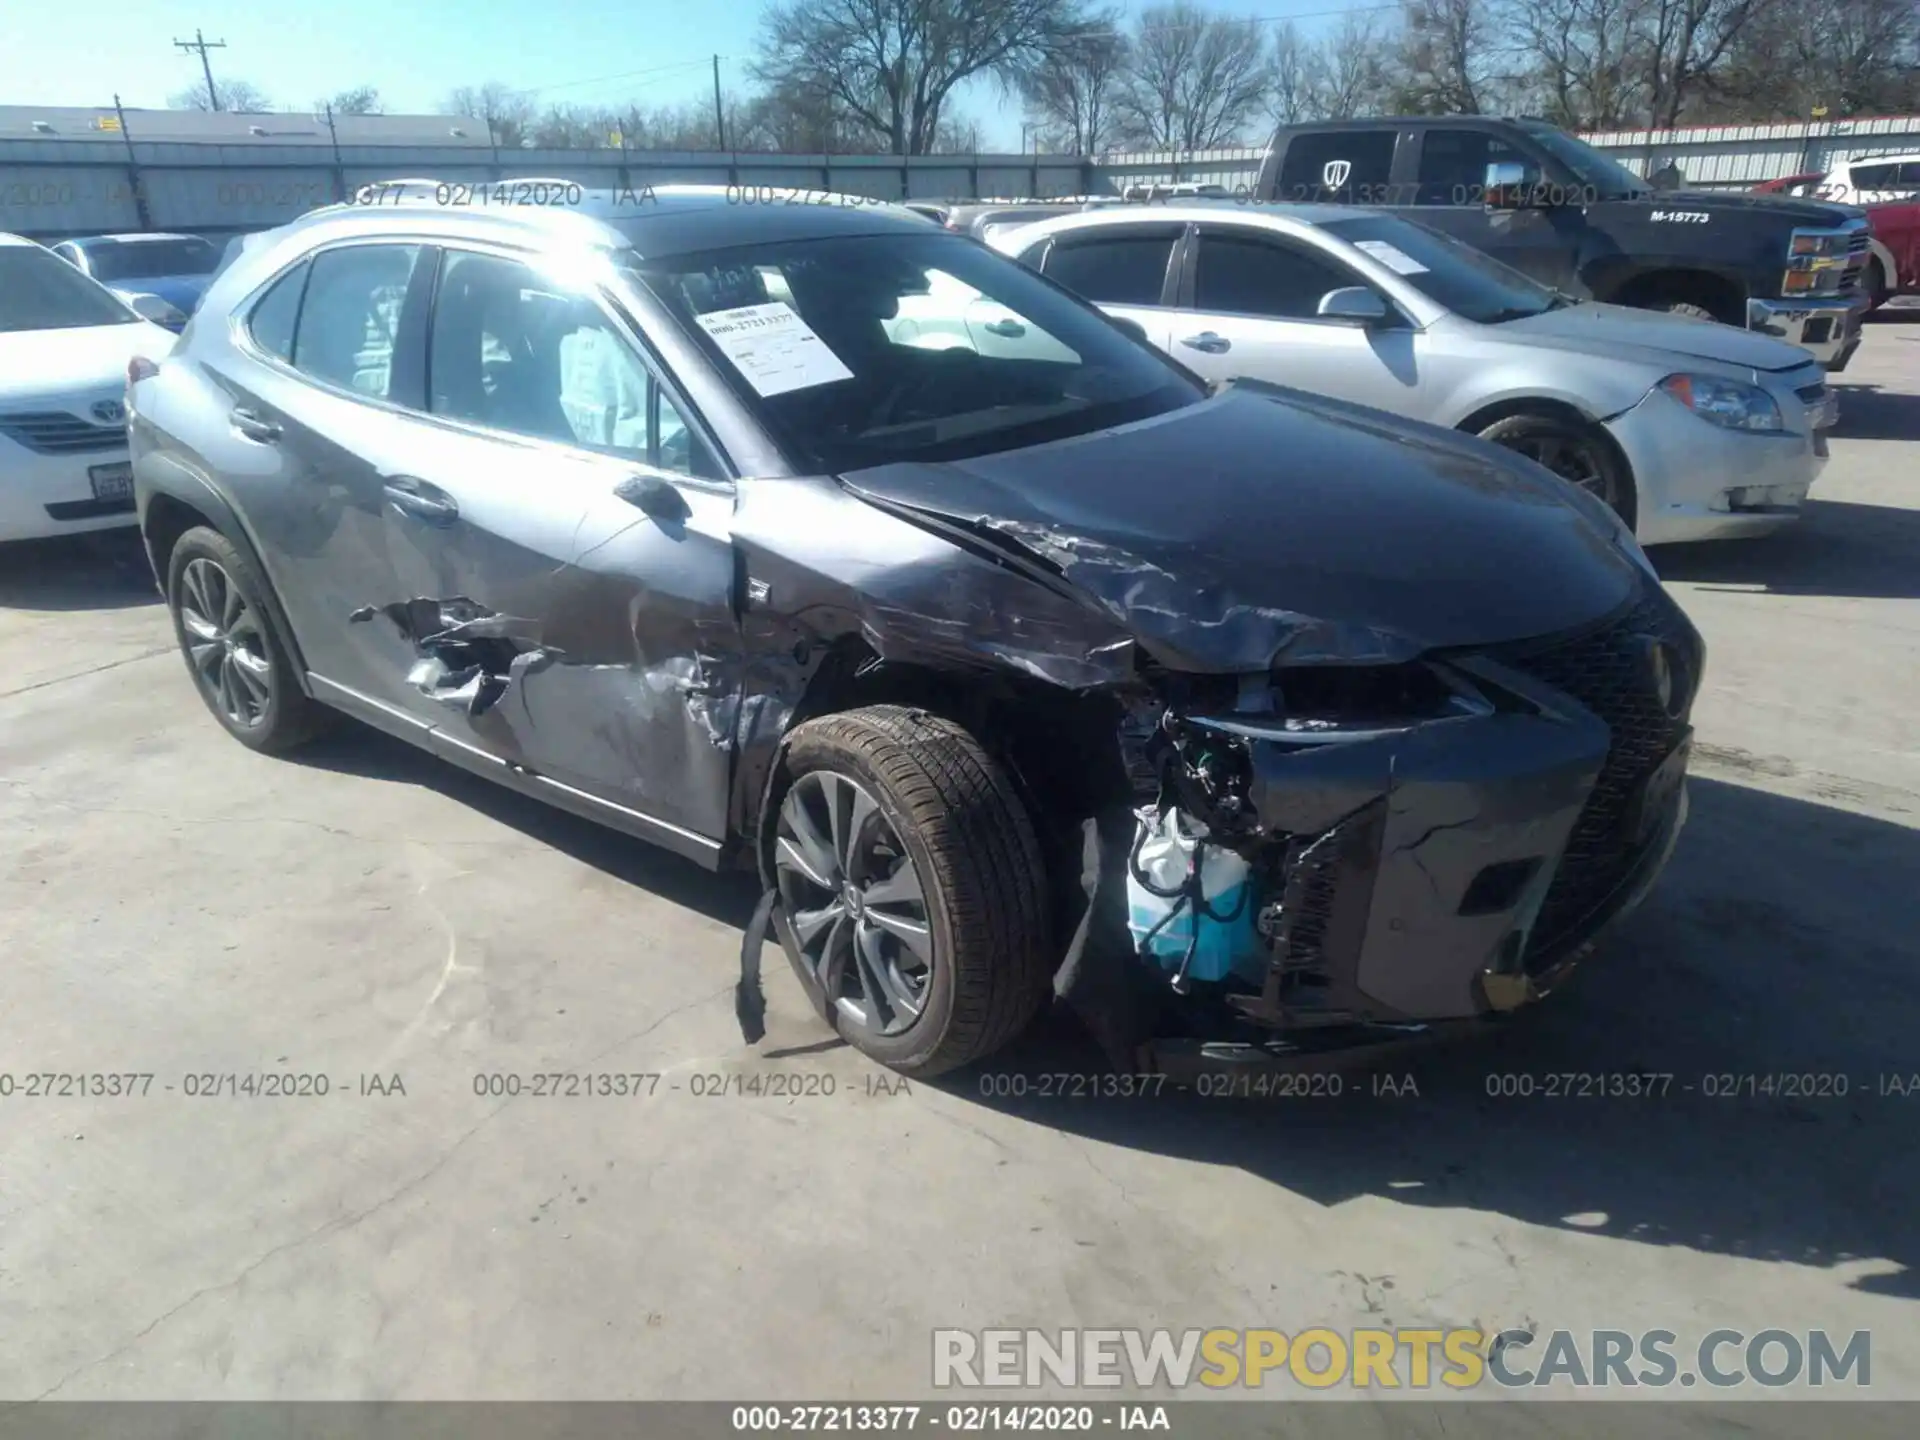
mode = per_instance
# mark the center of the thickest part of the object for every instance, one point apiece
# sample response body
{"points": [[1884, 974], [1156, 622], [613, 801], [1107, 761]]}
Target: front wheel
{"points": [[1573, 451], [912, 888]]}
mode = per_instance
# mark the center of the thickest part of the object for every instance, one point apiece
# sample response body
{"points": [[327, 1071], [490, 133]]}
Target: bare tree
{"points": [[797, 118], [508, 112], [571, 127], [1444, 62], [1356, 65], [1855, 57], [1684, 42], [360, 100], [1582, 56], [1072, 88], [240, 96], [892, 65], [1296, 76], [1193, 80]]}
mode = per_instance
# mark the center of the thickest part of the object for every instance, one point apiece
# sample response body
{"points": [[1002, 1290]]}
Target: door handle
{"points": [[1010, 329], [1208, 342], [420, 500], [254, 427]]}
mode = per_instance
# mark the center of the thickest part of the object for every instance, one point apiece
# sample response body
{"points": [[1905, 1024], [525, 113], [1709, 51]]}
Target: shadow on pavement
{"points": [[1839, 548], [1780, 942], [356, 749], [1870, 412], [104, 570]]}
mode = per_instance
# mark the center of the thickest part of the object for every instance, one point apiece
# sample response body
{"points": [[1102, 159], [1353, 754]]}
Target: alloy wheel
{"points": [[855, 902], [1571, 458], [225, 644]]}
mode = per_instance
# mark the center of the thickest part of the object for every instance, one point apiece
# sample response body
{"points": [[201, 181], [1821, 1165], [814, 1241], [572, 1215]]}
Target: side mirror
{"points": [[1509, 183], [1354, 303], [656, 497], [1132, 327], [152, 307]]}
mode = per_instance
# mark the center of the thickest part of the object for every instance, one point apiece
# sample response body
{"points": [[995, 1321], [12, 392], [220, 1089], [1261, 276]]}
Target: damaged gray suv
{"points": [[1243, 720]]}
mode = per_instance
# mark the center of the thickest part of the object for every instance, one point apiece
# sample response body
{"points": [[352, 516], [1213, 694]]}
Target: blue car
{"points": [[173, 268]]}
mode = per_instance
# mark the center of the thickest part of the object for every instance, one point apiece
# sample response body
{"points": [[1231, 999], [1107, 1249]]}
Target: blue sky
{"points": [[415, 51]]}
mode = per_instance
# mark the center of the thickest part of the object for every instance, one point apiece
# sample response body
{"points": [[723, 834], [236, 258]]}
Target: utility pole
{"points": [[203, 45], [719, 115]]}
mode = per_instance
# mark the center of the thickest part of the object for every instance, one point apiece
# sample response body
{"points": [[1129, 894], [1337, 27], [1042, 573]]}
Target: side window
{"points": [[1033, 256], [1872, 177], [69, 254], [512, 351], [1453, 165], [1909, 177], [1114, 269], [1239, 275], [1329, 165], [351, 315], [270, 323]]}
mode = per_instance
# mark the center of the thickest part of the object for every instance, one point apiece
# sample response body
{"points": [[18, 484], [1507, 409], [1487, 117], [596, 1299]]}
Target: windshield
{"points": [[114, 261], [1466, 281], [866, 350], [1609, 178], [40, 291]]}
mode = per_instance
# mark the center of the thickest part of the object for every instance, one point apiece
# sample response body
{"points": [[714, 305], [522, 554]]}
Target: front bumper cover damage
{"points": [[1409, 880]]}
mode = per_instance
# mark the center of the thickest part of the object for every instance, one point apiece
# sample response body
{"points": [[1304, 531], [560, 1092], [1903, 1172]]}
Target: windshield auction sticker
{"points": [[774, 348], [1391, 256]]}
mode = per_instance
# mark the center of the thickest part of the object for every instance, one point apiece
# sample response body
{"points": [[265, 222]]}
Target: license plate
{"points": [[112, 482], [1662, 789]]}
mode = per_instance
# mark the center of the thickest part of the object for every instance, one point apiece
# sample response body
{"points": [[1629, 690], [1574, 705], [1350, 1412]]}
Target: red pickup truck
{"points": [[1894, 226]]}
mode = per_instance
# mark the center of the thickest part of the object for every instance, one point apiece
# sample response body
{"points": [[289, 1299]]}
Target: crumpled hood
{"points": [[1268, 525], [1655, 339]]}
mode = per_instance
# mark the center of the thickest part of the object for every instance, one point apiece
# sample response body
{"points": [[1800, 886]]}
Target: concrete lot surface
{"points": [[172, 905]]}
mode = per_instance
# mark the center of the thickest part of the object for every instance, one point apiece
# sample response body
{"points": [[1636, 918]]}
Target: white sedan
{"points": [[65, 344]]}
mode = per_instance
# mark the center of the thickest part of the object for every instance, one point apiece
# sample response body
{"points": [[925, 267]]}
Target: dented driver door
{"points": [[566, 568]]}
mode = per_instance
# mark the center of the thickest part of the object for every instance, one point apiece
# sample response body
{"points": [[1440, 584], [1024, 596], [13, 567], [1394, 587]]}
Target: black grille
{"points": [[55, 432], [1607, 671], [1858, 244]]}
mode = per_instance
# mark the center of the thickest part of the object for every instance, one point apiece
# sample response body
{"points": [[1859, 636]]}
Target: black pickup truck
{"points": [[1532, 195]]}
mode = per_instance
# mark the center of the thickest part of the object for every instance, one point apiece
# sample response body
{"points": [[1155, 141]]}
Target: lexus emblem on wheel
{"points": [[109, 412], [1335, 174]]}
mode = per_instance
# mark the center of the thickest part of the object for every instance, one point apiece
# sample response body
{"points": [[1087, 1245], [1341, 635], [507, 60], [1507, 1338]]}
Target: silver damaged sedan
{"points": [[1689, 429]]}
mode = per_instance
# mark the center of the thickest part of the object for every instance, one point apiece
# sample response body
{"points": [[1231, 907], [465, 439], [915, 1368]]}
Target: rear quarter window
{"points": [[271, 322]]}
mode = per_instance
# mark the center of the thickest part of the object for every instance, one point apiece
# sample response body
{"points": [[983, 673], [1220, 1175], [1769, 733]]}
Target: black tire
{"points": [[1878, 291], [1575, 451], [1686, 308], [270, 712], [953, 810]]}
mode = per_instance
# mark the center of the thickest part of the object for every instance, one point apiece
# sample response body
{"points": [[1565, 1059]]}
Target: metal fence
{"points": [[93, 171]]}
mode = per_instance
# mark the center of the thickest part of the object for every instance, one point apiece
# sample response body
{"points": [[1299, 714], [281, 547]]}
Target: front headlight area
{"points": [[1196, 751], [1730, 404]]}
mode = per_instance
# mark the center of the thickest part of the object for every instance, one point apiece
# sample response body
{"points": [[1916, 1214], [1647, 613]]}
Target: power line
{"points": [[624, 75], [203, 45]]}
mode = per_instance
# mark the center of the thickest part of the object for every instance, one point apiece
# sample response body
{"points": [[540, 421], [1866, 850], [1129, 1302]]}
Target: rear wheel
{"points": [[235, 656], [1574, 451], [912, 888]]}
